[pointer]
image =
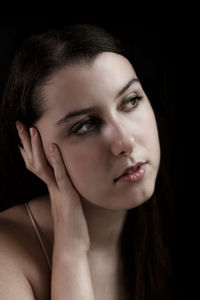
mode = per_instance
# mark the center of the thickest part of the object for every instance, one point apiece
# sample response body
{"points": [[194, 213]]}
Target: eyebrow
{"points": [[123, 90], [93, 109]]}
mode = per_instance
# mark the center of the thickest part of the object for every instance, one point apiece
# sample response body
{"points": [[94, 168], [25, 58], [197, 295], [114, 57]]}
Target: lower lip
{"points": [[136, 176]]}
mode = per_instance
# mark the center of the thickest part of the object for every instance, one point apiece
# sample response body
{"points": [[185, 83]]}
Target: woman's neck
{"points": [[104, 226]]}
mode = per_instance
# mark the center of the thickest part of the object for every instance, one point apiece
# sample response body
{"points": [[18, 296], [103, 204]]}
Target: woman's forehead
{"points": [[108, 71], [97, 85]]}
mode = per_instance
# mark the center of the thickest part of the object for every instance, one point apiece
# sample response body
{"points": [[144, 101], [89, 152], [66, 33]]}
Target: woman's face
{"points": [[118, 130]]}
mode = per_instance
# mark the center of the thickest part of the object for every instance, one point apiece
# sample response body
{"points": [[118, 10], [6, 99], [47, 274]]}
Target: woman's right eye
{"points": [[85, 126]]}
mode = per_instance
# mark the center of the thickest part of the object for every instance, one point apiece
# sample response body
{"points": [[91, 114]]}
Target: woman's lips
{"points": [[133, 174]]}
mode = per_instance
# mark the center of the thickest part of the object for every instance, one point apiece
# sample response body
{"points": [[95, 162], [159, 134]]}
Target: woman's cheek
{"points": [[77, 165]]}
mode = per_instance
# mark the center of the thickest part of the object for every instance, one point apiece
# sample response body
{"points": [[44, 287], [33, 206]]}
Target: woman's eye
{"points": [[85, 126], [131, 102], [90, 123]]}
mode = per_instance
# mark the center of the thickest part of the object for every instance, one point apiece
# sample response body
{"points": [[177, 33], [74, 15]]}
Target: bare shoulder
{"points": [[21, 258], [16, 228]]}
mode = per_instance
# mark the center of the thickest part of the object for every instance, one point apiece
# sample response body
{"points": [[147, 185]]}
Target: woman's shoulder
{"points": [[16, 220], [17, 229], [20, 250], [17, 215], [12, 212]]}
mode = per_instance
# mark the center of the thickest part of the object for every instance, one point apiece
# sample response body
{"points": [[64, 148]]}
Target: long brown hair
{"points": [[146, 234], [147, 245]]}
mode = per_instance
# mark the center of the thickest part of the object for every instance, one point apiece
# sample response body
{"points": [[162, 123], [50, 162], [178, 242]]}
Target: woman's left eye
{"points": [[131, 102]]}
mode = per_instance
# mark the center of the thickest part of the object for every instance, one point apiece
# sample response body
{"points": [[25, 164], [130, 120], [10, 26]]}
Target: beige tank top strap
{"points": [[37, 232]]}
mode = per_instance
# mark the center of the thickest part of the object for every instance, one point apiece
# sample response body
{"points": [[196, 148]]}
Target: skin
{"points": [[126, 135], [94, 160]]}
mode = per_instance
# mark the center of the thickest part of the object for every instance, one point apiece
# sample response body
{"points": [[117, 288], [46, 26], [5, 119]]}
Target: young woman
{"points": [[75, 109]]}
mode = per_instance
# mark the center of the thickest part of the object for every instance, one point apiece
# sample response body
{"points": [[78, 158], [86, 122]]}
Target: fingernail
{"points": [[19, 126], [51, 148], [32, 132]]}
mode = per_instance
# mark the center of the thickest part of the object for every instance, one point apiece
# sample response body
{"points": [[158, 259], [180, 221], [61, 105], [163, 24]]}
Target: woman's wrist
{"points": [[71, 278], [65, 238]]}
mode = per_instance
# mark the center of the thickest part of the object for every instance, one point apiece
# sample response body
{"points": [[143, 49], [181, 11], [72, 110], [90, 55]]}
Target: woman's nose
{"points": [[122, 141]]}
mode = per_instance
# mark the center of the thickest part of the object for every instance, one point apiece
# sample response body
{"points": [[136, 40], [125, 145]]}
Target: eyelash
{"points": [[97, 121]]}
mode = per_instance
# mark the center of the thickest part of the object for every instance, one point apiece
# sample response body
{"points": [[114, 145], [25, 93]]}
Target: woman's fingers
{"points": [[23, 154], [65, 202], [41, 166], [33, 154], [25, 139], [55, 176], [62, 178]]}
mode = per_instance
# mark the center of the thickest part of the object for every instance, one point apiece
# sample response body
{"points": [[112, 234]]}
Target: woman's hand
{"points": [[70, 278], [66, 206]]}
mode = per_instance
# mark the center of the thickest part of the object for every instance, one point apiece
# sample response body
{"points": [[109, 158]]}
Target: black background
{"points": [[162, 57]]}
